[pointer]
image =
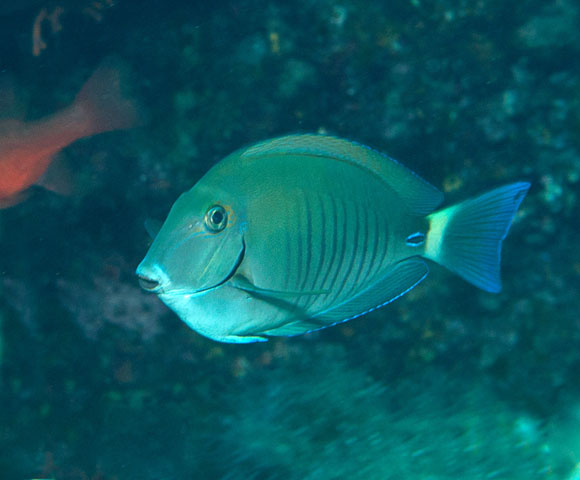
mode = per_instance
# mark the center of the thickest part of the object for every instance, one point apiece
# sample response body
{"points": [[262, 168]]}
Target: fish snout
{"points": [[151, 279]]}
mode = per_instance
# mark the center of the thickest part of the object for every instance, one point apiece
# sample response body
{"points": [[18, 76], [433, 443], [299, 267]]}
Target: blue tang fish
{"points": [[301, 232]]}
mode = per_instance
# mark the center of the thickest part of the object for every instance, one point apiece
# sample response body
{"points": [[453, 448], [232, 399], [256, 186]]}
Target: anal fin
{"points": [[399, 279]]}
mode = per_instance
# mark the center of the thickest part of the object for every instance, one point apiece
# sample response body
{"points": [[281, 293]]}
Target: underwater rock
{"points": [[104, 301], [556, 26], [334, 421]]}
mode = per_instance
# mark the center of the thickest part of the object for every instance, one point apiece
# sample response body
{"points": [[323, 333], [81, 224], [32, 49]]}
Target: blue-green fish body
{"points": [[301, 232]]}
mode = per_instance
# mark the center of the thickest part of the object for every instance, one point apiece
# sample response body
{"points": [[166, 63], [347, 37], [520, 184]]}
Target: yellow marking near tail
{"points": [[438, 222]]}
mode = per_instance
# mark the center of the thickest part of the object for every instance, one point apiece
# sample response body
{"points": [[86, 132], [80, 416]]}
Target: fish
{"points": [[27, 148], [301, 232]]}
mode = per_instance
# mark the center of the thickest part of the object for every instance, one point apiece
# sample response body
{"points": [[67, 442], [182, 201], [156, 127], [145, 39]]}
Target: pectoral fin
{"points": [[152, 227], [242, 283]]}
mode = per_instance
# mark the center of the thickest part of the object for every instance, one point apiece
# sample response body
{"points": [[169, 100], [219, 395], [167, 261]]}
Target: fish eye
{"points": [[216, 218]]}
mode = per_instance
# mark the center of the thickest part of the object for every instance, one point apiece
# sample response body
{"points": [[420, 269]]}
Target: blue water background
{"points": [[100, 381]]}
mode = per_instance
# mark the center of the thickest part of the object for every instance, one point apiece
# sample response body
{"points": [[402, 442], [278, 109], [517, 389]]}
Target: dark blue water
{"points": [[101, 381]]}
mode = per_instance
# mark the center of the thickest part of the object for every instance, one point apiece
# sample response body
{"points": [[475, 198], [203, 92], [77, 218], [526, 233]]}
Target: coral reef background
{"points": [[98, 380]]}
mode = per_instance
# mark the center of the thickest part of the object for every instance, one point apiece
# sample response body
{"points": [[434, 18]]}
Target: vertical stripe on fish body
{"points": [[325, 226], [300, 232]]}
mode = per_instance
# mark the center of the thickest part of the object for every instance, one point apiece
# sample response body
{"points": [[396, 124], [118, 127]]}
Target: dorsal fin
{"points": [[420, 196]]}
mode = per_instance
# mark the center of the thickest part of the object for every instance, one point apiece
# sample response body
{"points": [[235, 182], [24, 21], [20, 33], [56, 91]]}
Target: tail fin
{"points": [[466, 238], [103, 101]]}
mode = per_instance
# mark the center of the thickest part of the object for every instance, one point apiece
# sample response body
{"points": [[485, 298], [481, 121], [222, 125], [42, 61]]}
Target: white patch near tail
{"points": [[438, 222]]}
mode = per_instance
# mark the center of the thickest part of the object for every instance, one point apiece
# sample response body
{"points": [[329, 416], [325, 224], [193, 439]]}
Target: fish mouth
{"points": [[153, 286], [151, 278], [148, 284]]}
